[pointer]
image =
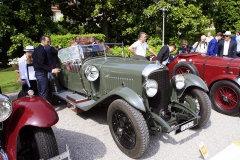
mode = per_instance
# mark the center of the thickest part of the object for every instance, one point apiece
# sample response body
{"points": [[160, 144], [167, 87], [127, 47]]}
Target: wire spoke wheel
{"points": [[199, 102], [227, 97], [185, 67], [182, 70], [123, 130], [128, 128]]}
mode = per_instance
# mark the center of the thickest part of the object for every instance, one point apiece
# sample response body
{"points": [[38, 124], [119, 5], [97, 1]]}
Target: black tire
{"points": [[37, 143], [128, 128], [225, 97], [185, 67], [201, 99]]}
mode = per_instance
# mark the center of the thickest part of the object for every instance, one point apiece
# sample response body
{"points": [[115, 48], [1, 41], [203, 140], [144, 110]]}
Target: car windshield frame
{"points": [[83, 52]]}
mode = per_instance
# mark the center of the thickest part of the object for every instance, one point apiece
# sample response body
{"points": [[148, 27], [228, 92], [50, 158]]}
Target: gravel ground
{"points": [[88, 137]]}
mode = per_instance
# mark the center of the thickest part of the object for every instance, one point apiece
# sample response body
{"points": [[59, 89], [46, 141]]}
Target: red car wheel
{"points": [[225, 96], [185, 67], [182, 70]]}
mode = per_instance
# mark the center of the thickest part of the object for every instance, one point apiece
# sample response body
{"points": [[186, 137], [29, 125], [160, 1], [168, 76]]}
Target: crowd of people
{"points": [[82, 40], [207, 45], [37, 63]]}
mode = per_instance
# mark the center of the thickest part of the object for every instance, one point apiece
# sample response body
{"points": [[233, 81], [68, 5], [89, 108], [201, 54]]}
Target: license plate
{"points": [[186, 125]]}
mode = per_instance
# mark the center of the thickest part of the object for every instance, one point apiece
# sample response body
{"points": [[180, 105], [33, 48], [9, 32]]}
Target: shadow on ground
{"points": [[81, 146]]}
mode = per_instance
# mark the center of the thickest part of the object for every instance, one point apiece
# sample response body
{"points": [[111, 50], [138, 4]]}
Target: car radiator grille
{"points": [[161, 100]]}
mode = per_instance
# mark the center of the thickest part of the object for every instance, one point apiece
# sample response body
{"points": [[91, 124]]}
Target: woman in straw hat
{"points": [[27, 73]]}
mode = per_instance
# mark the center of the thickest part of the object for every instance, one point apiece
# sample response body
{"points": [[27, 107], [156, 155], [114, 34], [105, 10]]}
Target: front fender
{"points": [[192, 80], [126, 93], [27, 111], [130, 96]]}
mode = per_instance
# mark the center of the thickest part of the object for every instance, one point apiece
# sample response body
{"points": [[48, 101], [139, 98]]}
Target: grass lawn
{"points": [[8, 81]]}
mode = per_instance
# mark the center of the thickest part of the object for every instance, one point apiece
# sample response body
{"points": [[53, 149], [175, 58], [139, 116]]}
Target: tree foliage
{"points": [[184, 19], [226, 15], [22, 22], [118, 20], [123, 20]]}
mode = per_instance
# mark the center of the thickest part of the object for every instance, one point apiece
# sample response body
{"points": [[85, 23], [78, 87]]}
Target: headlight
{"points": [[151, 87], [178, 81], [91, 73], [5, 107]]}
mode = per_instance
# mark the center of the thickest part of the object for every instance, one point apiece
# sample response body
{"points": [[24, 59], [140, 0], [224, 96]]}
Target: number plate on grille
{"points": [[186, 125]]}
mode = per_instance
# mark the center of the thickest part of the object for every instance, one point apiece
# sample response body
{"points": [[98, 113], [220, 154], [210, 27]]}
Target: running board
{"points": [[75, 101], [85, 104]]}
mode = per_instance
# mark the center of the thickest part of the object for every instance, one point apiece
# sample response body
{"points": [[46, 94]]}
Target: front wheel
{"points": [[128, 128], [36, 143], [199, 102], [185, 67]]}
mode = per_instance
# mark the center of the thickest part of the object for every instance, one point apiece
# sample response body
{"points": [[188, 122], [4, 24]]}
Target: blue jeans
{"points": [[42, 83]]}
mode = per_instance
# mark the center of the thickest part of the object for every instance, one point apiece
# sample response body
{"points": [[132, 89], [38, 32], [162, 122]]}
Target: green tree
{"points": [[184, 19], [22, 23], [118, 20], [227, 15]]}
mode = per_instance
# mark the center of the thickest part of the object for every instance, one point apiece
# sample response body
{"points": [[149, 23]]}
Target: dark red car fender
{"points": [[27, 111], [229, 77]]}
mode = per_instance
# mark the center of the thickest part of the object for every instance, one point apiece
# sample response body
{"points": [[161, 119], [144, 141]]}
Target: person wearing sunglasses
{"points": [[227, 47]]}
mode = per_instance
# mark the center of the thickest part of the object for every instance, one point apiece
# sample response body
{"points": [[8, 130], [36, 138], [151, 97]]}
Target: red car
{"points": [[221, 75]]}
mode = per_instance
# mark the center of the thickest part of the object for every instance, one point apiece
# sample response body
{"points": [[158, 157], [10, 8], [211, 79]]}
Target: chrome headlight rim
{"points": [[151, 87], [5, 108], [91, 73], [178, 81]]}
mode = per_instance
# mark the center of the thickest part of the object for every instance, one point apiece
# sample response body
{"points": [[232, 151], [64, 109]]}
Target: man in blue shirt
{"points": [[213, 45], [235, 36]]}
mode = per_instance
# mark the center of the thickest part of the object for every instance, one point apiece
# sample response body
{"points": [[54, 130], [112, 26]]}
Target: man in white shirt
{"points": [[227, 47], [201, 46], [139, 47]]}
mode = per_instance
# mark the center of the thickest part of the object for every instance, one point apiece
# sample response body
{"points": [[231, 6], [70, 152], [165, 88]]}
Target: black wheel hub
{"points": [[120, 131], [123, 129]]}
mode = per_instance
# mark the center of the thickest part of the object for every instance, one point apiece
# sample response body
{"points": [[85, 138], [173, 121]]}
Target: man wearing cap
{"points": [[227, 47], [213, 45], [42, 67], [26, 72]]}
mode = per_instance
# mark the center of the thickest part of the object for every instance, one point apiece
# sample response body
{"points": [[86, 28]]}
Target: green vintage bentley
{"points": [[139, 95]]}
